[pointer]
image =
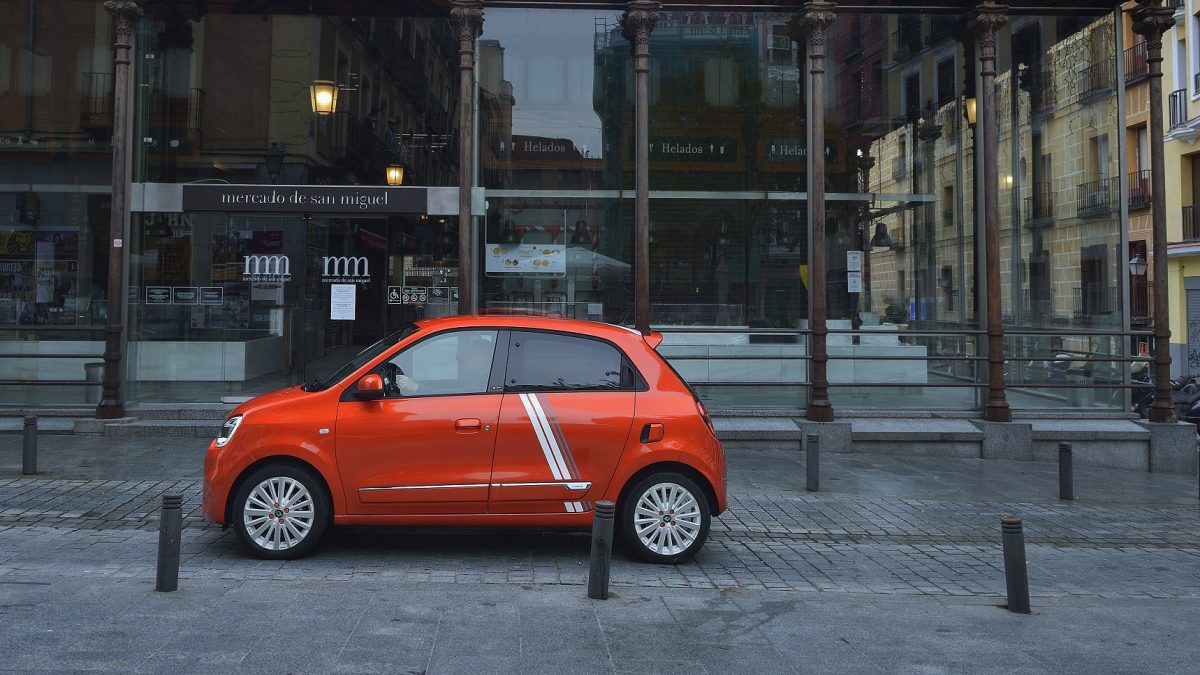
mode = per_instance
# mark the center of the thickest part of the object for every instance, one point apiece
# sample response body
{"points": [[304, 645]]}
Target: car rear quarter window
{"points": [[553, 361]]}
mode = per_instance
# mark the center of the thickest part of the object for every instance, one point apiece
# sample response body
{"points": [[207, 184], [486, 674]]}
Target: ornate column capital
{"points": [[125, 12], [1151, 20], [987, 18], [467, 16], [638, 22], [811, 21]]}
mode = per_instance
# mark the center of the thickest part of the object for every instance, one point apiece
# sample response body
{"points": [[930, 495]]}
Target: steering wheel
{"points": [[391, 373]]}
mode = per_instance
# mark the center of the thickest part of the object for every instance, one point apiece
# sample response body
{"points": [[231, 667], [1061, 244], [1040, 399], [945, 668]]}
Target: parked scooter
{"points": [[1185, 394]]}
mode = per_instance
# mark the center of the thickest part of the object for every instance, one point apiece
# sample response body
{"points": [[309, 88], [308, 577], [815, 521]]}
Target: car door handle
{"points": [[467, 424]]}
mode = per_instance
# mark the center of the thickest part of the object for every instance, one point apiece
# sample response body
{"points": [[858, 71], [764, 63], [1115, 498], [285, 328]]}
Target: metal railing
{"points": [[1191, 224], [1137, 65], [96, 101], [1139, 189], [1177, 108], [1040, 205], [1095, 300], [1097, 197], [1056, 367], [27, 331], [1096, 80]]}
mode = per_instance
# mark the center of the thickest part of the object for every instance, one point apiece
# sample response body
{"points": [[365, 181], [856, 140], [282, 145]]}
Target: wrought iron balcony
{"points": [[1139, 189], [1177, 104], [1040, 205], [1096, 81], [96, 101], [1191, 224], [1098, 197], [1137, 66], [1140, 301], [1095, 300]]}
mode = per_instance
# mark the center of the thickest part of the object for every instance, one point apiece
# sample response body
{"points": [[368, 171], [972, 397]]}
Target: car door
{"points": [[425, 448], [564, 422]]}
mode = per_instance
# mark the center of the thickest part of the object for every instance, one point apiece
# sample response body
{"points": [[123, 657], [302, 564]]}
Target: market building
{"points": [[798, 194]]}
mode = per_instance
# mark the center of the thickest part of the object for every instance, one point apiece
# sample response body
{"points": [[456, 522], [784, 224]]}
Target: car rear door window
{"points": [[556, 362]]}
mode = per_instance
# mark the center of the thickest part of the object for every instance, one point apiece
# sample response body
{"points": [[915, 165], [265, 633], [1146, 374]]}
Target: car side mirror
{"points": [[369, 387]]}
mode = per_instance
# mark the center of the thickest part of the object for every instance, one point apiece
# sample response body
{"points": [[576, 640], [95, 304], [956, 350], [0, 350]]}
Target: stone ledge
{"points": [[909, 431], [757, 429], [1088, 430]]}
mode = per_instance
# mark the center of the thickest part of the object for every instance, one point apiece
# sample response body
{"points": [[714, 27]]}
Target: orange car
{"points": [[476, 420]]}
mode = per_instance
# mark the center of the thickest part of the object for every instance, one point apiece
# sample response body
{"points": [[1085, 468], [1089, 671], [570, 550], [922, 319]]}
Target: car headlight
{"points": [[228, 429]]}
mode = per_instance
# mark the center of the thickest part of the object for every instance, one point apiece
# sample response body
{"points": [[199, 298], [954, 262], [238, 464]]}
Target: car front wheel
{"points": [[665, 518], [280, 512]]}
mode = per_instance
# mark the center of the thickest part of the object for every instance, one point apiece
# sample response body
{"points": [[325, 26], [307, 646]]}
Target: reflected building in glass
{"points": [[261, 136]]}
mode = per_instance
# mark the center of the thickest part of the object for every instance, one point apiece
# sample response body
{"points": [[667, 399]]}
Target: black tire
{"points": [[664, 534], [300, 500]]}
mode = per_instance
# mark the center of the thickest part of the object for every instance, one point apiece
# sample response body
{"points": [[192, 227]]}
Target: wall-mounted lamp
{"points": [[324, 96], [1138, 266], [274, 161], [395, 174], [581, 236], [881, 238], [1008, 182], [970, 110]]}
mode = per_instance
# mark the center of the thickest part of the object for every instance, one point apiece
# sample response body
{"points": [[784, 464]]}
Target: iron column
{"points": [[467, 16], [986, 20], [637, 24], [112, 401], [812, 23], [1151, 20]]}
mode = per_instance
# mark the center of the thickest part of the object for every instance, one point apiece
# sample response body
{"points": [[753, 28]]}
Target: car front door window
{"points": [[448, 364]]}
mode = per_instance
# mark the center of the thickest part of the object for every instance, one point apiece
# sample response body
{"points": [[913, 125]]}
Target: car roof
{"points": [[518, 321]]}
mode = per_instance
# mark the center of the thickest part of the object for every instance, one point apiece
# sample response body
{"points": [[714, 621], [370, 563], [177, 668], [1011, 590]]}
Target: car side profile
{"points": [[476, 421]]}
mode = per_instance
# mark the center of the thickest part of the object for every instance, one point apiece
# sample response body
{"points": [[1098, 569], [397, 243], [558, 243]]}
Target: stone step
{"points": [[164, 429]]}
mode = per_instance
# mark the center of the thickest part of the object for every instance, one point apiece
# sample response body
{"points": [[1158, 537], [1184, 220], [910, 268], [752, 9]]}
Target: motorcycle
{"points": [[1185, 395]]}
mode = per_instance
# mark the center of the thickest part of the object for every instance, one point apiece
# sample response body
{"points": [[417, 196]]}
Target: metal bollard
{"points": [[602, 537], [812, 463], [168, 543], [29, 454], [1016, 575], [1066, 478]]}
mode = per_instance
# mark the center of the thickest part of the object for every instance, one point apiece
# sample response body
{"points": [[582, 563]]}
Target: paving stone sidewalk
{"points": [[885, 525]]}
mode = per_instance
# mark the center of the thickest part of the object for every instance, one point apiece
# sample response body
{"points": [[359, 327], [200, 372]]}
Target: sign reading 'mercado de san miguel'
{"points": [[304, 198]]}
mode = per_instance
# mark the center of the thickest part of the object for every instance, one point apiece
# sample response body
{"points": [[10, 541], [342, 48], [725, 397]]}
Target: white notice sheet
{"points": [[341, 302]]}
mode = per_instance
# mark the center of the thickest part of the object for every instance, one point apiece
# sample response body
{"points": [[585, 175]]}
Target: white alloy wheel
{"points": [[280, 511], [666, 518]]}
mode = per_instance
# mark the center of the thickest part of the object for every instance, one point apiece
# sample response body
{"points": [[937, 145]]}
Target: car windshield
{"points": [[359, 359]]}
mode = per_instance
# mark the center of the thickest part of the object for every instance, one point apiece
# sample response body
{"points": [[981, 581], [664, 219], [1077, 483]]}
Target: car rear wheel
{"points": [[280, 512], [665, 518]]}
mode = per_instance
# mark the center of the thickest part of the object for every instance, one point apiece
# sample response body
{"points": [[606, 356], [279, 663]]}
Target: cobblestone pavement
{"points": [[1139, 539]]}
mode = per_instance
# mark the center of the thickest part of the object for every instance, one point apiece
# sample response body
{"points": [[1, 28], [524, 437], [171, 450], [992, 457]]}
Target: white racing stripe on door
{"points": [[541, 435], [548, 435]]}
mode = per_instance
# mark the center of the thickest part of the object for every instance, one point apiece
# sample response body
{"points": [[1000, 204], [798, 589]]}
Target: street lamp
{"points": [[324, 95], [1138, 266], [881, 238], [274, 161], [395, 174], [969, 110]]}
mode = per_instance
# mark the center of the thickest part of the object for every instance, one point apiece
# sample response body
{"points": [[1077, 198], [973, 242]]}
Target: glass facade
{"points": [[233, 303]]}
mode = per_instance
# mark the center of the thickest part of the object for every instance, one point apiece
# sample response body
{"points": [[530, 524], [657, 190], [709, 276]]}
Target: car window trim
{"points": [[639, 382]]}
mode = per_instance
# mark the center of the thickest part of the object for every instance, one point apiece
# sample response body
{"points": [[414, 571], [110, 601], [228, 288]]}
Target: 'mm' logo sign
{"points": [[352, 269], [266, 268]]}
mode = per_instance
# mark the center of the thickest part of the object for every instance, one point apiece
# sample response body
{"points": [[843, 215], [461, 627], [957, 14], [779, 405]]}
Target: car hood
{"points": [[270, 400]]}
